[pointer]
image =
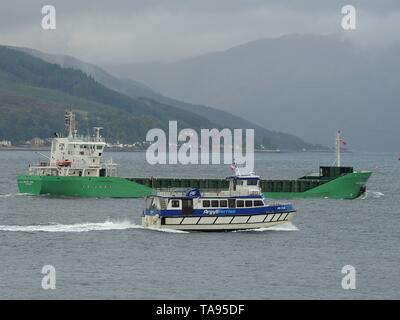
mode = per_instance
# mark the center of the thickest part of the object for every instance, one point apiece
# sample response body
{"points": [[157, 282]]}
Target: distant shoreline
{"points": [[47, 148], [24, 148]]}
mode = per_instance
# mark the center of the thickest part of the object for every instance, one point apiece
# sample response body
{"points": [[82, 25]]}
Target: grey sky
{"points": [[117, 32]]}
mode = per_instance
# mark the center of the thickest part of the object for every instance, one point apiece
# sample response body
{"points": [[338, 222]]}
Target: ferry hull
{"points": [[349, 186], [219, 223], [71, 186]]}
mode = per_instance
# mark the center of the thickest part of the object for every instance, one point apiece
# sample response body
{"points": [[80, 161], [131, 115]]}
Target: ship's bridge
{"points": [[250, 183]]}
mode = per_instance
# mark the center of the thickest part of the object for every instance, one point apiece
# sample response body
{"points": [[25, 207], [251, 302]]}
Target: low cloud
{"points": [[123, 32]]}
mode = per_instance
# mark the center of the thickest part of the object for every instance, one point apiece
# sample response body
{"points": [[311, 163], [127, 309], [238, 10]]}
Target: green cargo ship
{"points": [[75, 169], [335, 183]]}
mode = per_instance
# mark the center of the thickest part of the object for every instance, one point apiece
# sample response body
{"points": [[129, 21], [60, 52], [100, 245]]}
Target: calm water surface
{"points": [[100, 251]]}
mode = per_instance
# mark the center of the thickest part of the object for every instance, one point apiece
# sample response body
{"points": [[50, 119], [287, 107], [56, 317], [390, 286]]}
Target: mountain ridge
{"points": [[136, 90], [307, 85]]}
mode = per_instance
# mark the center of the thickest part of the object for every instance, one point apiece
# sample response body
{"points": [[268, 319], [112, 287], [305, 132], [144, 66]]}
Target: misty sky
{"points": [[108, 32]]}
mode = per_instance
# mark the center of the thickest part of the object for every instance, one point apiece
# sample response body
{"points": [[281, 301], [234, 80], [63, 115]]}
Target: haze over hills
{"points": [[270, 139], [34, 94], [308, 85]]}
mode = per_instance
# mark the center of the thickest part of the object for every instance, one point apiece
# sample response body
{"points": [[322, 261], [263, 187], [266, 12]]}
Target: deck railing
{"points": [[181, 192]]}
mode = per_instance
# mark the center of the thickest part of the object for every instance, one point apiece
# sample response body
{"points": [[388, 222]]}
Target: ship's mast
{"points": [[70, 122], [97, 132], [338, 143]]}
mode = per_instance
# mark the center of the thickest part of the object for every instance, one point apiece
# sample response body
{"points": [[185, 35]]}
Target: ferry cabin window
{"points": [[239, 203], [223, 203], [252, 182], [232, 203], [258, 203], [152, 203], [206, 203], [248, 203], [148, 202], [175, 203], [214, 203]]}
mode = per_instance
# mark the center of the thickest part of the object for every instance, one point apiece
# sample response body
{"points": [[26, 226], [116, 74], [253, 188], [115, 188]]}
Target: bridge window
{"points": [[214, 203], [258, 203], [223, 203], [252, 182], [206, 203], [248, 203], [240, 203]]}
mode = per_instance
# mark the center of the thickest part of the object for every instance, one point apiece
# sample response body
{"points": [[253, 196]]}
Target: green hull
{"points": [[350, 186], [99, 187]]}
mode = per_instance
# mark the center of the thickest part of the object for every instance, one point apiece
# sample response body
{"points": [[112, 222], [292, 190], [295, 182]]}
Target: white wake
{"points": [[83, 227], [116, 225], [373, 194], [287, 226], [78, 227], [166, 230], [12, 195]]}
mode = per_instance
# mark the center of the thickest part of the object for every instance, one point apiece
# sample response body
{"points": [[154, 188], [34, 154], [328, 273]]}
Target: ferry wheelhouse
{"points": [[241, 207]]}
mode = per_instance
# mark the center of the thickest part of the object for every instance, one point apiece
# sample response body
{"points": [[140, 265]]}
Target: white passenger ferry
{"points": [[241, 207]]}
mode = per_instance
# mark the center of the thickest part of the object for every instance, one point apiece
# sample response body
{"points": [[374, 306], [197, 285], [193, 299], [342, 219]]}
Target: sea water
{"points": [[100, 251]]}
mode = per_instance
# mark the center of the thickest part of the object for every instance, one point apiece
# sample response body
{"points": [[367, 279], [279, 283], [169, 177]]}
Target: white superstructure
{"points": [[76, 155]]}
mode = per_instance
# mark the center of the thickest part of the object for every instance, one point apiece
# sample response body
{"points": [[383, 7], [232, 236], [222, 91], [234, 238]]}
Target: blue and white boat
{"points": [[241, 207]]}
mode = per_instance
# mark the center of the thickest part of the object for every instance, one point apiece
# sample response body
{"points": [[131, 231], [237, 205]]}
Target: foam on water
{"points": [[114, 225], [373, 194], [168, 230], [287, 226], [82, 227], [8, 195], [78, 227]]}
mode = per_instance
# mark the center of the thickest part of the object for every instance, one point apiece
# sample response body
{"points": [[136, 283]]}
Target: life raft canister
{"points": [[64, 163]]}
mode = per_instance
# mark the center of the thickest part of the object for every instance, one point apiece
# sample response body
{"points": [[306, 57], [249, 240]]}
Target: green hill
{"points": [[269, 138], [35, 93]]}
